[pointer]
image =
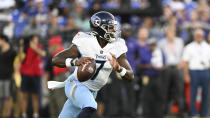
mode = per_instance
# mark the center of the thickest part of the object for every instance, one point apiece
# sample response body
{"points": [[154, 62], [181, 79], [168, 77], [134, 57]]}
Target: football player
{"points": [[108, 50]]}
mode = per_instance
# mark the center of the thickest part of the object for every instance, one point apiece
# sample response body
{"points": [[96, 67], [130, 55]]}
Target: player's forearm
{"points": [[59, 62], [60, 59], [126, 74], [124, 68]]}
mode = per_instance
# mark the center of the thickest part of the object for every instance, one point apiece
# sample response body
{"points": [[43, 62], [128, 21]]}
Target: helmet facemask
{"points": [[111, 31]]}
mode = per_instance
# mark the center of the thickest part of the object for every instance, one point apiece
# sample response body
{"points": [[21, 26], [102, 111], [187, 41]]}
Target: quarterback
{"points": [[109, 52]]}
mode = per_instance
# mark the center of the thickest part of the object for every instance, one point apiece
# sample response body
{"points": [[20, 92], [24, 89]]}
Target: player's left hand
{"points": [[113, 61]]}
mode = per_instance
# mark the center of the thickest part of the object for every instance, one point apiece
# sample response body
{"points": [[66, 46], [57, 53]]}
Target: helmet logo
{"points": [[96, 21]]}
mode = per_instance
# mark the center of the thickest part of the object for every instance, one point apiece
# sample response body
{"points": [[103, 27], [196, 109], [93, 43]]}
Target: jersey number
{"points": [[98, 69]]}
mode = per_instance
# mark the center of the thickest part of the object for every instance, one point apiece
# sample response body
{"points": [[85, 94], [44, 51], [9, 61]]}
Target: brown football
{"points": [[86, 71]]}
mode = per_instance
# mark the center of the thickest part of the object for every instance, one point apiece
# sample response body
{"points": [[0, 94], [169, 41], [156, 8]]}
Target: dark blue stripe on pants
{"points": [[199, 78]]}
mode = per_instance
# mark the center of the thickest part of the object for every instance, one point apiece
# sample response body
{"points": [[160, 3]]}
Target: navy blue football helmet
{"points": [[105, 26]]}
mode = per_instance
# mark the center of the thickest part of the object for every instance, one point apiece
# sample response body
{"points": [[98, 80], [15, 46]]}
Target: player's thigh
{"points": [[69, 110], [84, 97], [79, 94]]}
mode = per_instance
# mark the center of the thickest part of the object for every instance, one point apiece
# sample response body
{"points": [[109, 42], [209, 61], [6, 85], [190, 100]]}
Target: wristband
{"points": [[68, 62], [123, 72]]}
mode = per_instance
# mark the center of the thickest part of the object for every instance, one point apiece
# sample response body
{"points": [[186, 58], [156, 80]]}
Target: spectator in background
{"points": [[7, 56], [32, 28], [131, 43], [154, 29], [53, 28], [30, 8], [21, 21], [173, 23], [205, 18], [17, 99], [59, 74], [69, 30], [31, 71], [70, 26], [202, 6], [83, 22], [81, 19], [7, 4], [193, 21], [9, 30], [150, 64], [191, 24], [167, 13], [154, 86], [139, 4], [176, 5], [42, 16], [62, 21], [129, 100], [111, 4], [142, 36], [148, 23], [172, 48], [196, 58], [96, 5], [208, 40]]}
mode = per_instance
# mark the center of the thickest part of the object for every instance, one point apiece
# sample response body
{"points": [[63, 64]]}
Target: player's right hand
{"points": [[83, 61]]}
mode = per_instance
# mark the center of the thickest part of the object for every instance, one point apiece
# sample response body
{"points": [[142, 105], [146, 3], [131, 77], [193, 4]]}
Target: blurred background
{"points": [[33, 31]]}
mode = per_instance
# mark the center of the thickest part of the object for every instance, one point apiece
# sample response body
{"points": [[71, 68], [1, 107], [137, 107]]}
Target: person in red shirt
{"points": [[31, 71], [57, 74]]}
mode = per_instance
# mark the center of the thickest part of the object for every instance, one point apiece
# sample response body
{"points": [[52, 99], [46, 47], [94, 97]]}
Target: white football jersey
{"points": [[88, 46]]}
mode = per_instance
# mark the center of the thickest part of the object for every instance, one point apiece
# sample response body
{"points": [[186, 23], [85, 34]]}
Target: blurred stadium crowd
{"points": [[37, 30]]}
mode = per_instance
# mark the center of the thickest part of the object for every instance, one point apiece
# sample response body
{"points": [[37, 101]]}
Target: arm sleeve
{"points": [[79, 41]]}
